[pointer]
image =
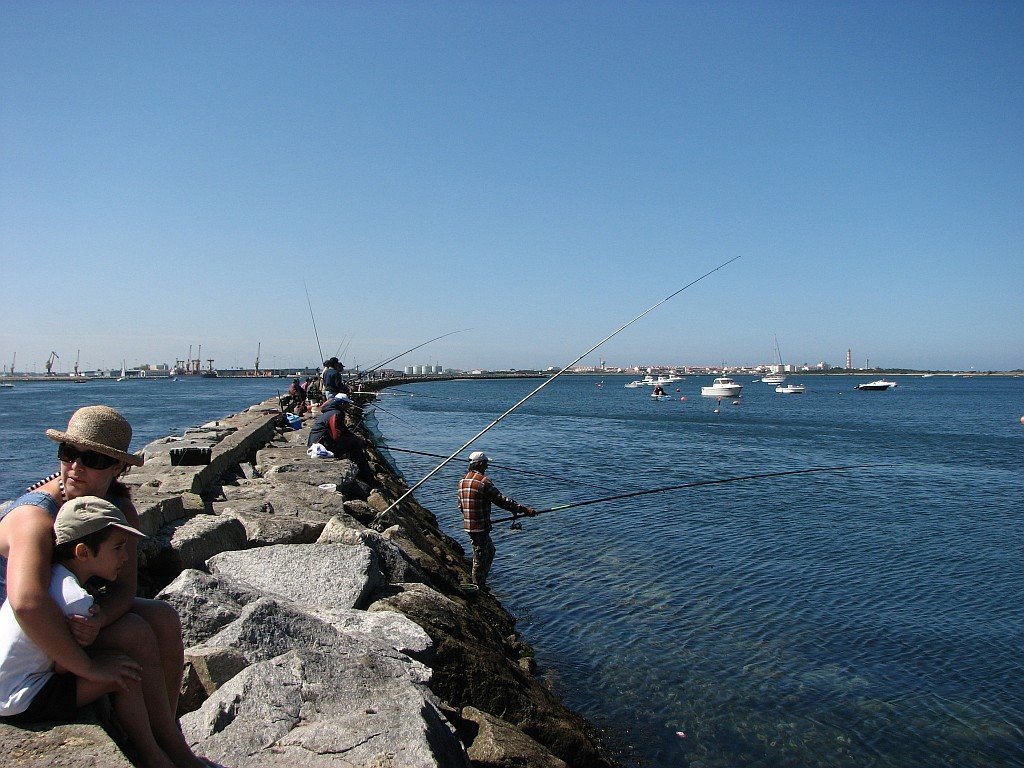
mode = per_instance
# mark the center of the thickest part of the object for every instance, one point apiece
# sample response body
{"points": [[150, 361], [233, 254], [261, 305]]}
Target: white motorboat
{"points": [[723, 386], [879, 385], [655, 381], [790, 389]]}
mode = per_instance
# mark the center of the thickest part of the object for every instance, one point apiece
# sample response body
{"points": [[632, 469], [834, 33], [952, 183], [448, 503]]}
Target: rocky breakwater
{"points": [[322, 627]]}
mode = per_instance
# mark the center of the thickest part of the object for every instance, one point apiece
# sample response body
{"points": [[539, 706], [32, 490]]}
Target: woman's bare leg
{"points": [[166, 625]]}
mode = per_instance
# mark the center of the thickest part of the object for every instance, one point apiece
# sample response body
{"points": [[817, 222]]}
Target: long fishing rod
{"points": [[610, 336], [317, 335], [338, 350], [412, 349], [345, 350], [499, 466], [696, 484]]}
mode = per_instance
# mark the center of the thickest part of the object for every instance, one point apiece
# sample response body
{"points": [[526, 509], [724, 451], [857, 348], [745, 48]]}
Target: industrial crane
{"points": [[49, 363]]}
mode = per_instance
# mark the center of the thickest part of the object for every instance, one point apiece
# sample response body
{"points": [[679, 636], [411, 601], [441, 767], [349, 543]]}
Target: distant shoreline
{"points": [[235, 375]]}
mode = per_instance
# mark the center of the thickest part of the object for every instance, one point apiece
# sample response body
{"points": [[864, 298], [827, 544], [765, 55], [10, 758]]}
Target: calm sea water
{"points": [[859, 618]]}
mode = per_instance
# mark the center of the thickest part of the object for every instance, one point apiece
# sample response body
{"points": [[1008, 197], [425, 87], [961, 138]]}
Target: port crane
{"points": [[49, 363], [256, 366]]}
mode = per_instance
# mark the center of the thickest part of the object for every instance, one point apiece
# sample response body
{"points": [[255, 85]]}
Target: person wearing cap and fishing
{"points": [[331, 431], [93, 453], [476, 494], [91, 538], [333, 383]]}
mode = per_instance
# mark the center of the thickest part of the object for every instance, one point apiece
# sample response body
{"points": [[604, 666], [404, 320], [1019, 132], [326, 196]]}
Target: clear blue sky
{"points": [[540, 172]]}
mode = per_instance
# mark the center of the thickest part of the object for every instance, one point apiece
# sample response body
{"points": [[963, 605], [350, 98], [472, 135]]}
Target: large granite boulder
{"points": [[207, 604], [263, 526], [477, 664], [292, 465], [394, 563], [75, 745], [328, 575], [311, 708], [500, 745]]}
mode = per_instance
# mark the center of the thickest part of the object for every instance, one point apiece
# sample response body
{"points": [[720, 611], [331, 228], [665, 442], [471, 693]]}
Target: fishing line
{"points": [[494, 423], [501, 466], [696, 484], [317, 335], [411, 349], [385, 410]]}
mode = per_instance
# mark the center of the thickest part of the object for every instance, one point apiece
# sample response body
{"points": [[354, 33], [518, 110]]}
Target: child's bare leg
{"points": [[133, 635], [130, 707]]}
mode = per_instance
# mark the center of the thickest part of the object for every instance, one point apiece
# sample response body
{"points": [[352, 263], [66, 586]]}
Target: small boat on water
{"points": [[790, 389], [655, 381], [659, 393], [879, 385], [723, 386]]}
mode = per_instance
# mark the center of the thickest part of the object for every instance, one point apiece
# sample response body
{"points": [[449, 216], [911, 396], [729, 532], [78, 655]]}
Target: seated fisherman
{"points": [[331, 431], [294, 401]]}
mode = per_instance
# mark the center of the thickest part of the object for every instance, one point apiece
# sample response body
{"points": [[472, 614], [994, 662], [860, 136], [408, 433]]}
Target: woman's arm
{"points": [[29, 537]]}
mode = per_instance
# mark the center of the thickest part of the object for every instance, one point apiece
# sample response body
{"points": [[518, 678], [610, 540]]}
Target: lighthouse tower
{"points": [[849, 359]]}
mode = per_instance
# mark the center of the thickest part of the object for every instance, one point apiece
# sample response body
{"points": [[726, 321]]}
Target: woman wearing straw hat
{"points": [[93, 453]]}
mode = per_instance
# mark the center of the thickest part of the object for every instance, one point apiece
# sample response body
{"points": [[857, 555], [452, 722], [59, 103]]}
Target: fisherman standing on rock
{"points": [[476, 493]]}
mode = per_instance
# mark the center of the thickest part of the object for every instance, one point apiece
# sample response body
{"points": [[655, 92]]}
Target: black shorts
{"points": [[56, 702]]}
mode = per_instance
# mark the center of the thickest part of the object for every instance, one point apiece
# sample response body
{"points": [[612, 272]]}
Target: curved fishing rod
{"points": [[697, 484], [494, 423], [317, 335], [500, 466], [412, 349]]}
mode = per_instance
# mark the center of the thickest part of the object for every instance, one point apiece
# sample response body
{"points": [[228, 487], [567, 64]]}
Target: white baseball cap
{"points": [[478, 456]]}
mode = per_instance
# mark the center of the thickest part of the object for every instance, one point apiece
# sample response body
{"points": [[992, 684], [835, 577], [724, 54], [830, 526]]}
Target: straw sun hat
{"points": [[101, 429]]}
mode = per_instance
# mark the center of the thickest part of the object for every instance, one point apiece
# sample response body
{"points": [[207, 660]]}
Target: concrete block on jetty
{"points": [[321, 630]]}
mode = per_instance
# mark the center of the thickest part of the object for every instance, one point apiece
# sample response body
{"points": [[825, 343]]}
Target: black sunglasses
{"points": [[90, 459]]}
